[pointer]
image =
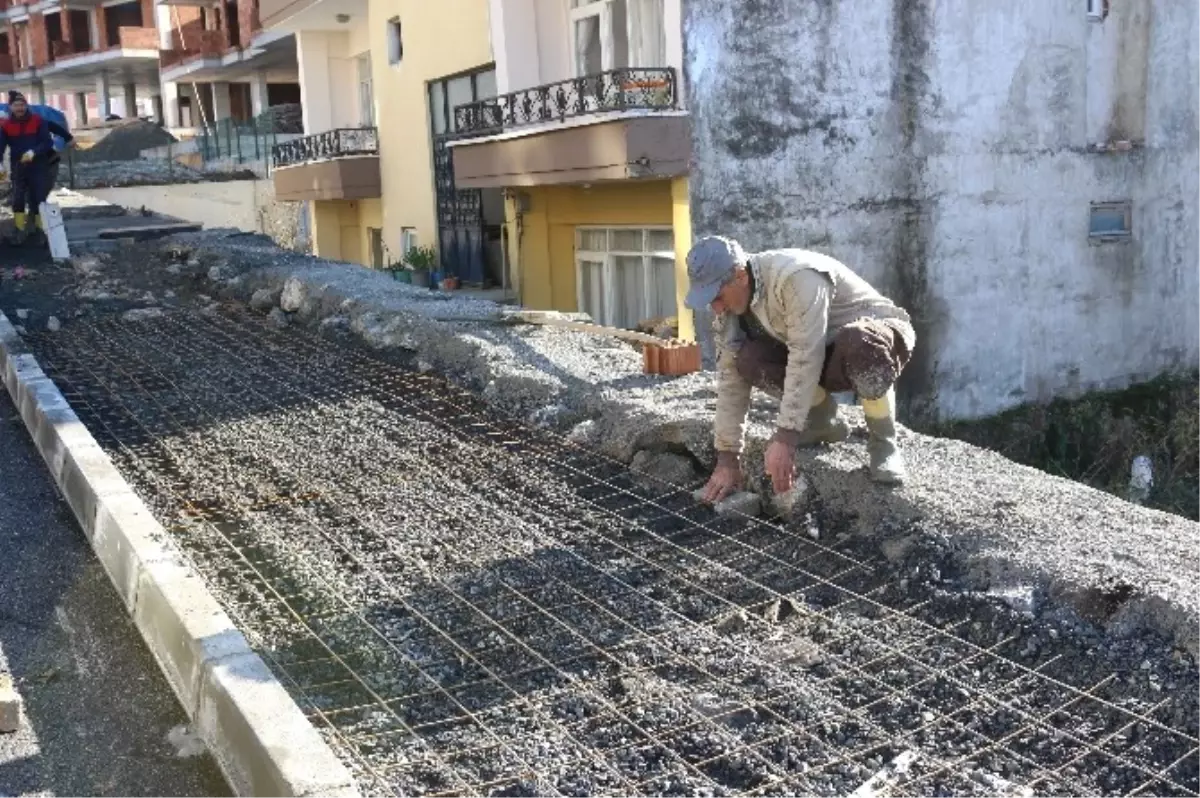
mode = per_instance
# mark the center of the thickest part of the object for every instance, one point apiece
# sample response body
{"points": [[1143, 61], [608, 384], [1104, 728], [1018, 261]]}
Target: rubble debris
{"points": [[263, 300], [278, 318], [660, 470], [141, 314], [53, 324]]}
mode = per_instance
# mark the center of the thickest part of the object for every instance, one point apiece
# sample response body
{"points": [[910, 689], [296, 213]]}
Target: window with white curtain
{"points": [[607, 34], [366, 97], [625, 275]]}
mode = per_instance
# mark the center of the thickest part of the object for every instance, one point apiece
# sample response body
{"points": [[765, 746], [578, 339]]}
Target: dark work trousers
{"points": [[31, 186]]}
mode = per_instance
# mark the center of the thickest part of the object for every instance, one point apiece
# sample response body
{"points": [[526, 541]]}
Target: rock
{"points": [[93, 294], [22, 313], [277, 318], [53, 324], [141, 314], [790, 501], [583, 433], [20, 328], [175, 269], [10, 705], [87, 264], [217, 275], [732, 623], [658, 470], [293, 295], [262, 300], [742, 503]]}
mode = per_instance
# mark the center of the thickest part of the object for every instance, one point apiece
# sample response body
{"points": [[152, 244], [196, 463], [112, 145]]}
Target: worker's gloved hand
{"points": [[3, 175], [780, 465], [27, 157], [725, 480]]}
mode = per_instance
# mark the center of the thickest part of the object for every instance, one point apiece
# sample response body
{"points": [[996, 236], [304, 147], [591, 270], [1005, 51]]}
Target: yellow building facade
{"points": [[563, 178]]}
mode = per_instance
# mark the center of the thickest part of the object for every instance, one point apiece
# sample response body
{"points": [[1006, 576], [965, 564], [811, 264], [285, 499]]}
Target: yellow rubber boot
{"points": [[19, 219], [823, 424], [887, 464]]}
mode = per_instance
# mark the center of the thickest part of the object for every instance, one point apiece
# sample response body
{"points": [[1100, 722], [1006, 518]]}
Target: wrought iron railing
{"points": [[340, 143], [615, 90]]}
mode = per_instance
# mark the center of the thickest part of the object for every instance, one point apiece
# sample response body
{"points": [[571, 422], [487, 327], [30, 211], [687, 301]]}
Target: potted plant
{"points": [[449, 282], [420, 261]]}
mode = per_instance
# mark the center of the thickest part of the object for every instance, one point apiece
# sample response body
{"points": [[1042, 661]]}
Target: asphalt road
{"points": [[100, 718]]}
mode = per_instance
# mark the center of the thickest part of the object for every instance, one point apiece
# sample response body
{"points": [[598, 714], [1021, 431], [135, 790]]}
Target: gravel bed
{"points": [[465, 604]]}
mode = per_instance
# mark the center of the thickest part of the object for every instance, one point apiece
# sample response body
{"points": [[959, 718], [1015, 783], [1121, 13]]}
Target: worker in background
{"points": [[798, 325], [27, 137], [60, 134]]}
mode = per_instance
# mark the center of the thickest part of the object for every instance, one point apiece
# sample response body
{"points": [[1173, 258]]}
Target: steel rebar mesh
{"points": [[462, 603]]}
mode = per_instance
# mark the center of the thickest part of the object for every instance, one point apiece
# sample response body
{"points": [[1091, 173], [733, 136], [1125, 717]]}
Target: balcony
{"points": [[337, 164], [195, 42], [135, 38], [617, 125], [614, 91]]}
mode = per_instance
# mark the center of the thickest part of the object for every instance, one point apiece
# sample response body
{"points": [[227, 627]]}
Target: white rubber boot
{"points": [[887, 464]]}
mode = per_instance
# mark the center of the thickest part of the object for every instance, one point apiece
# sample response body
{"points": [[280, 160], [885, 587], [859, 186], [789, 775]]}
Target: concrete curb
{"points": [[260, 738]]}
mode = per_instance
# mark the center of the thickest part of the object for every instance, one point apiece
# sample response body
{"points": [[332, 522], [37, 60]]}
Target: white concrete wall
{"points": [[247, 205], [329, 77], [943, 150]]}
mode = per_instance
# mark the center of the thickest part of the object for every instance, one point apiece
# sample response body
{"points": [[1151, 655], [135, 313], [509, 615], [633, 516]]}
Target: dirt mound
{"points": [[126, 141]]}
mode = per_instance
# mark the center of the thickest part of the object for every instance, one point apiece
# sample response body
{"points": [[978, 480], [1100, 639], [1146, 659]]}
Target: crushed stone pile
{"points": [[125, 142], [145, 172]]}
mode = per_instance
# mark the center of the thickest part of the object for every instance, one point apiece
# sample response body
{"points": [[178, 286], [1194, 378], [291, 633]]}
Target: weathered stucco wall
{"points": [[945, 151]]}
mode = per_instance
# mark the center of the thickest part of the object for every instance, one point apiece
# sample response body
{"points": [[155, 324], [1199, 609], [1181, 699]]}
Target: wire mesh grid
{"points": [[463, 604]]}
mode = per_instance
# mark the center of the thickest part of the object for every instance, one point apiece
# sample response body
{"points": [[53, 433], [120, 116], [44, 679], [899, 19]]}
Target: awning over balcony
{"points": [[337, 164], [618, 125]]}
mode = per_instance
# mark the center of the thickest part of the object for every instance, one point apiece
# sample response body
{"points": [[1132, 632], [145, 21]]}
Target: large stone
{"points": [[10, 705], [741, 503], [263, 299], [293, 295], [658, 470]]}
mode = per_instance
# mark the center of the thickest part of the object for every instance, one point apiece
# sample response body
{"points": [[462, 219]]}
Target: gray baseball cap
{"points": [[710, 263]]}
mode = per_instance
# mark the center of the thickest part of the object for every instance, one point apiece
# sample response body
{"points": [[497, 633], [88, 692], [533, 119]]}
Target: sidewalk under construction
{"points": [[464, 604]]}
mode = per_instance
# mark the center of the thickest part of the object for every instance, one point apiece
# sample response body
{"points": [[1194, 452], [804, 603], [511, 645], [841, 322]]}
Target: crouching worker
{"points": [[27, 138], [798, 325]]}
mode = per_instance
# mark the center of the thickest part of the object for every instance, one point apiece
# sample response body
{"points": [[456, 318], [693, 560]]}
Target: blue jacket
{"points": [[19, 136], [56, 120]]}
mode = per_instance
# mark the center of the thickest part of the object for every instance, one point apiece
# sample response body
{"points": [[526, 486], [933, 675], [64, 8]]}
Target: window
{"points": [[607, 34], [408, 239], [600, 35], [1110, 221], [446, 94], [625, 275], [366, 96], [395, 44], [1097, 10]]}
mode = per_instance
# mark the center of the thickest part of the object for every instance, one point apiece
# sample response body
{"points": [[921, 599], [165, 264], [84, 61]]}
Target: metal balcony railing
{"points": [[340, 143], [623, 89]]}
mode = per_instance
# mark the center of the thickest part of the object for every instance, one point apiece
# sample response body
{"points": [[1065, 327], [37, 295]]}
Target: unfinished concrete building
{"points": [[1022, 177], [108, 50]]}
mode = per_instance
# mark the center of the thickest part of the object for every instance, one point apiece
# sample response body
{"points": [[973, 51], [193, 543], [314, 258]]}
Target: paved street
{"points": [[101, 720]]}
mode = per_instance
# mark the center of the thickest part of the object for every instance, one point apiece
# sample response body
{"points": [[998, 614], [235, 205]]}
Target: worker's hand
{"points": [[3, 175], [27, 157], [780, 465], [725, 481]]}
